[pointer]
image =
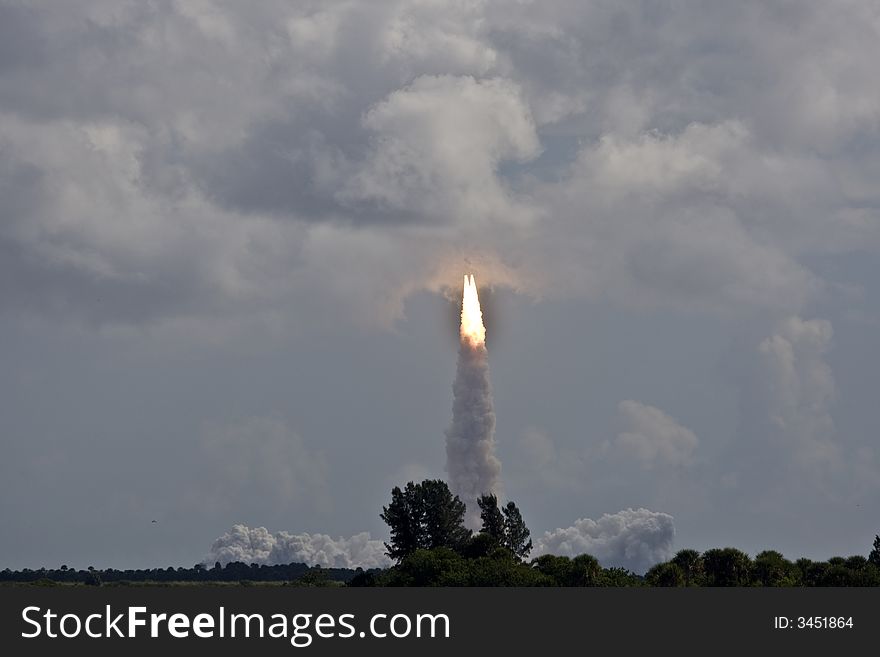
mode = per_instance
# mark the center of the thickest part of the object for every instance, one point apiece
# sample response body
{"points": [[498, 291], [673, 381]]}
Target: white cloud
{"points": [[652, 437], [174, 161], [798, 388], [632, 538], [259, 545], [436, 147]]}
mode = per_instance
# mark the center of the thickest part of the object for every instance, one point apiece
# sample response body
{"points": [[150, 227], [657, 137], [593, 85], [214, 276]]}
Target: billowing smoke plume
{"points": [[470, 442], [634, 538], [259, 545]]}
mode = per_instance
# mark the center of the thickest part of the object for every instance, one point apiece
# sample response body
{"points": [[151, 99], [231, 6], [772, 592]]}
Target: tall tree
{"points": [[874, 557], [404, 518], [516, 534], [442, 516], [425, 515], [493, 520]]}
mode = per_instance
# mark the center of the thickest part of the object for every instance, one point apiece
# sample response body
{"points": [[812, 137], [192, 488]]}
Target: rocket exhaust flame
{"points": [[471, 463], [472, 328]]}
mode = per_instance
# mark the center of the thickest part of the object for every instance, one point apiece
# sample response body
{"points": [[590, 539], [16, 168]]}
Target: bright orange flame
{"points": [[472, 328]]}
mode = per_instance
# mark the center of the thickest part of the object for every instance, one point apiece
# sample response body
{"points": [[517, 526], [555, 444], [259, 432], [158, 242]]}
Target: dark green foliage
{"points": [[235, 571], [482, 563], [445, 567], [874, 556], [364, 578], [852, 571], [424, 516], [443, 516], [505, 526], [731, 567], [45, 581], [691, 564], [503, 568], [812, 572], [666, 574], [727, 567], [493, 520], [770, 568], [583, 570], [863, 572], [557, 569], [620, 577], [586, 571], [856, 562], [437, 567], [316, 576], [500, 567], [480, 545], [516, 534], [836, 575], [404, 519]]}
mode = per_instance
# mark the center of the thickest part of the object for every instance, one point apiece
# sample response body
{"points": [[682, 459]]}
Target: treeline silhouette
{"points": [[715, 567], [431, 546], [235, 571], [480, 563], [732, 567]]}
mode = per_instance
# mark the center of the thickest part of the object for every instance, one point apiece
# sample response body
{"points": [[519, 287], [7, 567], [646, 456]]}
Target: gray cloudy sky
{"points": [[229, 231]]}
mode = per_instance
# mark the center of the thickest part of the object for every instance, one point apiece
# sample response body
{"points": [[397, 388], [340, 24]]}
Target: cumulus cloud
{"points": [[259, 545], [442, 133], [652, 437], [787, 449], [788, 443], [632, 538], [793, 393], [192, 160]]}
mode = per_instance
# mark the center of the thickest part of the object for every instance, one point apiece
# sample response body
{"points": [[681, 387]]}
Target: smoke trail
{"points": [[470, 440]]}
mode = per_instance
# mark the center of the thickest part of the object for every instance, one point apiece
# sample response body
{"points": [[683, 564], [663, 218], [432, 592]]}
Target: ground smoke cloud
{"points": [[470, 441], [633, 538], [259, 545]]}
